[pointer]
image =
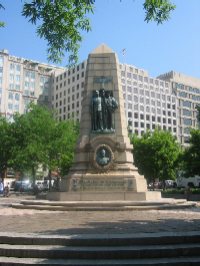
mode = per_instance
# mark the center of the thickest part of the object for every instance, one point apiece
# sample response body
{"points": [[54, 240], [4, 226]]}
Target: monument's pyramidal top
{"points": [[102, 49]]}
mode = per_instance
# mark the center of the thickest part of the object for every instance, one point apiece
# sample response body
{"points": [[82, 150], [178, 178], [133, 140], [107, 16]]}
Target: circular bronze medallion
{"points": [[103, 157]]}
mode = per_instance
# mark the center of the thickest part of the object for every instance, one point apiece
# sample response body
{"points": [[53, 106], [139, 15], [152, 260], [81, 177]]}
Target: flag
{"points": [[123, 51]]}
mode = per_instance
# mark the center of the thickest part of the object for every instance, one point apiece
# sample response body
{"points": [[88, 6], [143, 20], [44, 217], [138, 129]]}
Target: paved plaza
{"points": [[94, 222]]}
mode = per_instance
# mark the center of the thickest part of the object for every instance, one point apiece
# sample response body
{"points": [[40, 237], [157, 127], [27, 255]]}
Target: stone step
{"points": [[189, 261], [103, 206], [99, 253], [166, 238], [115, 203], [178, 249]]}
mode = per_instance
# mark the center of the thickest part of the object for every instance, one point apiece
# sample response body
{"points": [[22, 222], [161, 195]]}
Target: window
{"points": [[128, 75], [129, 114], [142, 108], [140, 78], [187, 121], [10, 95], [135, 76], [129, 97], [17, 97]]}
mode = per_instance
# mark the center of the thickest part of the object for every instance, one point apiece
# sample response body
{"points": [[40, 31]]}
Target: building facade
{"points": [[187, 91], [23, 81], [149, 102], [167, 102], [67, 94]]}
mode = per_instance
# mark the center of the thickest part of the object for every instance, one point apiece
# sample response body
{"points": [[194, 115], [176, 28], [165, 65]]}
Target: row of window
{"points": [[142, 99], [13, 107], [186, 88], [149, 126], [141, 132], [13, 96], [152, 118], [149, 109], [71, 71], [144, 79], [73, 79], [64, 85]]}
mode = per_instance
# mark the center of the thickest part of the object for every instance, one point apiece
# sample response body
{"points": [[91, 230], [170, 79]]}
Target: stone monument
{"points": [[103, 166]]}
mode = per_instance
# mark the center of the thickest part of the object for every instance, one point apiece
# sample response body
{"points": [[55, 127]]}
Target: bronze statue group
{"points": [[102, 107]]}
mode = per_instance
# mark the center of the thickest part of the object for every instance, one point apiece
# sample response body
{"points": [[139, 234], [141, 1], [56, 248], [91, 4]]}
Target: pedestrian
{"points": [[1, 187], [6, 190]]}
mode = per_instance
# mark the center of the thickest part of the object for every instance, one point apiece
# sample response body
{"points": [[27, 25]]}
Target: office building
{"points": [[149, 102], [68, 91], [187, 91], [167, 102], [23, 81]]}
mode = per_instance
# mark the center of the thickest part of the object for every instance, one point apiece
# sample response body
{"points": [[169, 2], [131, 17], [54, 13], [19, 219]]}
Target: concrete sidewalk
{"points": [[95, 222]]}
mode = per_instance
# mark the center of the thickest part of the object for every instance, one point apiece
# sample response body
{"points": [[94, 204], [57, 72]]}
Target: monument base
{"points": [[104, 196]]}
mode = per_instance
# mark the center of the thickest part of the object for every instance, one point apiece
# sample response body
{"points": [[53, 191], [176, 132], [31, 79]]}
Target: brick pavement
{"points": [[93, 222]]}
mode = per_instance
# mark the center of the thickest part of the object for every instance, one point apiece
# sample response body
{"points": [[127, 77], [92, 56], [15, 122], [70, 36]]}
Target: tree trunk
{"points": [[50, 179]]}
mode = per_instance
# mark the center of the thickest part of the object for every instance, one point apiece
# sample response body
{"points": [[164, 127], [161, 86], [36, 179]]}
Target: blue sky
{"points": [[175, 45]]}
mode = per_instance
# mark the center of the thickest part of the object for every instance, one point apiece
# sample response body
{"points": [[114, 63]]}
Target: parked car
{"points": [[22, 186]]}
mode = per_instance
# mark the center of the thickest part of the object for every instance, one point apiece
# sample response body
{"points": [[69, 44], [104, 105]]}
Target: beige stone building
{"points": [[167, 102], [187, 91], [23, 81]]}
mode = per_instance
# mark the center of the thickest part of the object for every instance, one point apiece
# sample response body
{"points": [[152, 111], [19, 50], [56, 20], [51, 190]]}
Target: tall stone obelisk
{"points": [[103, 166]]}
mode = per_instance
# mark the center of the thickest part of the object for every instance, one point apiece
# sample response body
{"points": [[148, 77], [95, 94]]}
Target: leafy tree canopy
{"points": [[191, 157], [6, 143], [156, 154], [61, 22], [198, 113], [40, 140]]}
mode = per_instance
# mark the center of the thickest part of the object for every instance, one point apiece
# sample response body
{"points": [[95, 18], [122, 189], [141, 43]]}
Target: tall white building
{"points": [[187, 91], [68, 92], [167, 102], [23, 81], [149, 102]]}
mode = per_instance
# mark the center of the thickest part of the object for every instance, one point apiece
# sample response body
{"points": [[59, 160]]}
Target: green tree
{"points": [[68, 132], [156, 155], [2, 24], [31, 132], [41, 140], [198, 114], [61, 22], [191, 156], [6, 143], [60, 147]]}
